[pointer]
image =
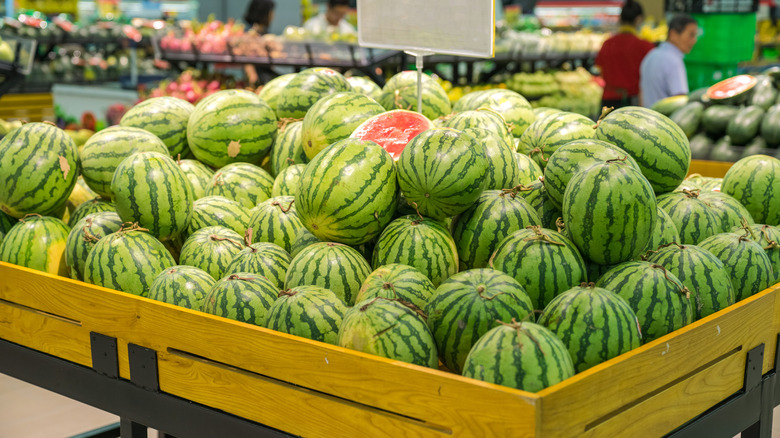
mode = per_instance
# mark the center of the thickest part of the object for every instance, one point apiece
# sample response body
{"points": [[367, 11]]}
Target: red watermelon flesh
{"points": [[393, 130]]}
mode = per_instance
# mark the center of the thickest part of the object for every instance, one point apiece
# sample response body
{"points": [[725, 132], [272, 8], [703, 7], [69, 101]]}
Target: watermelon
{"points": [[150, 189], [198, 174], [303, 239], [529, 171], [83, 236], [105, 150], [495, 215], [701, 146], [218, 211], [245, 183], [716, 118], [400, 92], [664, 233], [701, 272], [184, 286], [419, 242], [610, 212], [231, 126], [262, 258], [334, 118], [288, 147], [668, 105], [288, 181], [770, 126], [443, 171], [755, 146], [334, 266], [128, 261], [37, 242], [81, 193], [392, 130], [166, 117], [755, 183], [39, 165], [536, 196], [764, 94], [658, 145], [724, 151], [480, 119], [543, 261], [271, 91], [729, 211], [595, 325], [694, 219], [95, 205], [243, 297], [276, 221], [547, 134], [6, 222], [573, 157], [745, 260], [211, 249], [769, 238], [732, 91], [503, 169], [311, 312], [469, 304], [348, 192], [396, 281], [512, 106], [744, 126], [365, 86], [524, 355], [308, 87], [688, 117], [388, 328], [660, 301]]}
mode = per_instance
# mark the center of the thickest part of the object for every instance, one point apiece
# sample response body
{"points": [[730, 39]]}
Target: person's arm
{"points": [[251, 74]]}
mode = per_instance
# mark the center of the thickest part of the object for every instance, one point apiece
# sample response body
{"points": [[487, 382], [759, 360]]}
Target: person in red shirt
{"points": [[620, 57]]}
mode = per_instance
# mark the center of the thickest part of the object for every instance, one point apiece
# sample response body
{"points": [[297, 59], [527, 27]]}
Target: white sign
{"points": [[454, 27]]}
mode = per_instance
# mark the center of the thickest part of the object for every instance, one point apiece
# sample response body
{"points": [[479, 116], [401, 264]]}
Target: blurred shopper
{"points": [[332, 20], [662, 73], [620, 57], [258, 17]]}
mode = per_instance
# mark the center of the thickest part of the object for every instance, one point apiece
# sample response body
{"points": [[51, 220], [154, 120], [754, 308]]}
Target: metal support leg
{"points": [[129, 429]]}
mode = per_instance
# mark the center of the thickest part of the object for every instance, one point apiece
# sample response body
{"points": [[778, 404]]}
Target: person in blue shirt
{"points": [[662, 72]]}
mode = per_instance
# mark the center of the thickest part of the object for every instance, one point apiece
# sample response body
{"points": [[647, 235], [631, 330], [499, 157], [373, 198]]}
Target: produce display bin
{"points": [[713, 169]]}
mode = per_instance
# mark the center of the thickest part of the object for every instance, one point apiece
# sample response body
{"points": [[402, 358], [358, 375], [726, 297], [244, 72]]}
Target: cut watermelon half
{"points": [[393, 130], [732, 90]]}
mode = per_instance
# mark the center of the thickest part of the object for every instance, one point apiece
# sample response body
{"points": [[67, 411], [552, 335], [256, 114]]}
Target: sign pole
{"points": [[419, 81]]}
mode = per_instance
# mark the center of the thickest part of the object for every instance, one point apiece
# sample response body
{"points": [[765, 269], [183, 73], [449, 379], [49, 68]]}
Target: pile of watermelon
{"points": [[736, 118], [511, 245]]}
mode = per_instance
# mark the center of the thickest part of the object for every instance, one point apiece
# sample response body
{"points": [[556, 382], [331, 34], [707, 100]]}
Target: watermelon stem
{"points": [[683, 290], [216, 238], [560, 224], [647, 254], [748, 230], [538, 151], [131, 226], [515, 190], [541, 236], [414, 205], [276, 203], [89, 237], [29, 215], [519, 327], [248, 238], [615, 160], [288, 293], [692, 193], [590, 285], [604, 112], [771, 243], [238, 277]]}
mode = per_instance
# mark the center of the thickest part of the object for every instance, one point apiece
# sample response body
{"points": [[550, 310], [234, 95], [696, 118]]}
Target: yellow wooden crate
{"points": [[714, 169], [314, 389], [32, 107]]}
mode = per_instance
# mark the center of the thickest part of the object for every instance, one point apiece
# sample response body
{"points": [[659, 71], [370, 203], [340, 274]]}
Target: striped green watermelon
{"points": [[231, 126], [495, 215], [150, 189], [544, 262], [729, 211], [334, 117], [544, 111], [660, 301], [396, 281], [348, 192], [701, 272], [524, 355], [127, 261], [443, 171], [311, 312], [96, 205], [365, 86], [694, 219], [610, 212], [755, 182], [37, 242], [483, 119], [547, 134], [276, 220], [334, 266], [469, 304], [390, 329], [39, 165], [185, 286], [219, 211], [392, 130], [400, 92], [746, 262], [768, 237], [211, 249], [103, 152], [198, 174], [515, 109], [271, 91], [658, 145], [166, 117], [262, 258], [6, 222], [664, 233], [243, 297], [245, 183], [503, 170], [573, 157], [288, 181], [595, 325], [418, 242], [84, 235], [288, 147], [529, 171], [536, 196], [303, 239], [306, 88]]}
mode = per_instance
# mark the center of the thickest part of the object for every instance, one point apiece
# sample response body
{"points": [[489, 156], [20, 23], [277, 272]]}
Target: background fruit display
{"points": [[514, 245]]}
